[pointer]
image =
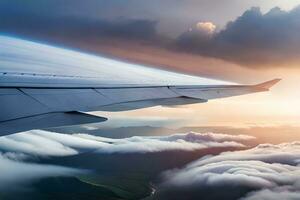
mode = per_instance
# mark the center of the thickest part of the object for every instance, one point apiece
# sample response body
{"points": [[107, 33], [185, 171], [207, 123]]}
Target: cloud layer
{"points": [[15, 172], [21, 152], [46, 143], [264, 172]]}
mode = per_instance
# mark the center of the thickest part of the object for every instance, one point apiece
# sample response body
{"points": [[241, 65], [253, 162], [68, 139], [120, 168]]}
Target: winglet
{"points": [[267, 85]]}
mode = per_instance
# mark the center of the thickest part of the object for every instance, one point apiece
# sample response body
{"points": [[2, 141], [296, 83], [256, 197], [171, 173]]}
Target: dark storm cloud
{"points": [[174, 16], [254, 39], [264, 172], [72, 28], [51, 19]]}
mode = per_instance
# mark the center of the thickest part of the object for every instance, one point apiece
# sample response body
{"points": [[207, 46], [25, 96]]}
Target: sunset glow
{"points": [[150, 99]]}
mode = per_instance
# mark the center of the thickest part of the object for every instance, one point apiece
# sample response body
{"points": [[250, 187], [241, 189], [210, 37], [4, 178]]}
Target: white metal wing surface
{"points": [[43, 86]]}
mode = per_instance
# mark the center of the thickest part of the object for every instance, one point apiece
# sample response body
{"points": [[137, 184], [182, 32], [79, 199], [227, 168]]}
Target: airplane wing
{"points": [[43, 86]]}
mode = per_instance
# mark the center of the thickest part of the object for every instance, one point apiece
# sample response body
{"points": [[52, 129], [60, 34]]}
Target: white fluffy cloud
{"points": [[47, 143], [206, 27], [276, 194], [16, 169], [264, 172], [270, 171], [185, 142], [55, 144], [14, 172]]}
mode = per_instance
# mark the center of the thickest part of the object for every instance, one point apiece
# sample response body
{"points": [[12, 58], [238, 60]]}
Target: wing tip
{"points": [[268, 84]]}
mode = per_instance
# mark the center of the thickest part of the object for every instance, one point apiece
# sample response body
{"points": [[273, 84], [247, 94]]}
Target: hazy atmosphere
{"points": [[245, 147]]}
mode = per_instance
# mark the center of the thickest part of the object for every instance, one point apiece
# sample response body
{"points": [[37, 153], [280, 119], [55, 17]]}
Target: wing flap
{"points": [[168, 102], [215, 92], [47, 120]]}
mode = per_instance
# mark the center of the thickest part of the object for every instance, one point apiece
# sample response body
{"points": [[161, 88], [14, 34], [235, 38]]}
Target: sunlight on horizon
{"points": [[279, 106]]}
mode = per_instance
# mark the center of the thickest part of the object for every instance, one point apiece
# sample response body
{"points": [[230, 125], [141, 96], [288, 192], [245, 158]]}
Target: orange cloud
{"points": [[206, 27]]}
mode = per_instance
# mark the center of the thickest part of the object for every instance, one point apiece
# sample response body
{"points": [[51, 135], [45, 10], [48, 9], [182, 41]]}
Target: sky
{"points": [[240, 41], [243, 147]]}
